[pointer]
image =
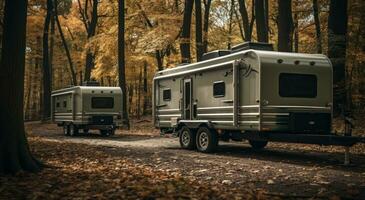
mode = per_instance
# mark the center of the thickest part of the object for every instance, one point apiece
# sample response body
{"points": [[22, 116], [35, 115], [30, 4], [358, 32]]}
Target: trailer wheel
{"points": [[257, 144], [86, 131], [206, 140], [73, 130], [105, 133], [187, 138], [66, 129]]}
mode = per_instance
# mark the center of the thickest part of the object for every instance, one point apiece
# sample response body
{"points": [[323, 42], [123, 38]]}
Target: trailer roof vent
{"points": [[215, 54], [252, 45], [91, 83]]}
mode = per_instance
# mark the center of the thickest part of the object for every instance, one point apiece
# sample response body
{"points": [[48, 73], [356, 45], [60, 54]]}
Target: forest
{"points": [[47, 45], [82, 41]]}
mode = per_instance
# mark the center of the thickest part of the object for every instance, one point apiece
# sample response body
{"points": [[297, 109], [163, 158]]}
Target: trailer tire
{"points": [[206, 140], [86, 131], [66, 129], [258, 144], [73, 130], [105, 133], [187, 138]]}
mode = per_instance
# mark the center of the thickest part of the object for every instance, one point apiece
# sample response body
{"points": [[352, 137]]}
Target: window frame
{"points": [[224, 92], [163, 94]]}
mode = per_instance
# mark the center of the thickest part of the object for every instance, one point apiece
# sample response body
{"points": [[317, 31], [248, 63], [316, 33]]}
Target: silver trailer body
{"points": [[87, 107], [250, 90]]}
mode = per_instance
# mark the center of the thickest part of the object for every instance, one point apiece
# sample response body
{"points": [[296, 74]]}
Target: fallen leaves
{"points": [[88, 172]]}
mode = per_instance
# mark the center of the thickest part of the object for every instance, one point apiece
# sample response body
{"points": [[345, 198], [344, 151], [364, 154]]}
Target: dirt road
{"points": [[284, 170]]}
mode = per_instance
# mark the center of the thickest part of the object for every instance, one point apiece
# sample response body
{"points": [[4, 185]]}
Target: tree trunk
{"points": [[207, 4], [91, 28], [72, 71], [121, 61], [245, 20], [231, 11], [185, 33], [145, 94], [198, 30], [139, 94], [285, 24], [318, 26], [14, 151], [159, 59], [51, 46], [337, 30], [46, 66], [261, 26]]}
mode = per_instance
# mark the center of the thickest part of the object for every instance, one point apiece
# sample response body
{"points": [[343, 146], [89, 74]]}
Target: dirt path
{"points": [[284, 170]]}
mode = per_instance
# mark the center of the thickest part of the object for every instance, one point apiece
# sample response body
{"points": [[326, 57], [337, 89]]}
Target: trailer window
{"points": [[64, 104], [58, 104], [102, 102], [297, 85], [219, 89], [166, 94]]}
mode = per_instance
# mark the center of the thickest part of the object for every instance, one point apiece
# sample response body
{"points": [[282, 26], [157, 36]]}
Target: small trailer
{"points": [[250, 92], [87, 107]]}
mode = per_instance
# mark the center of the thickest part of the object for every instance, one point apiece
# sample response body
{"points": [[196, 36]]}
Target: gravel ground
{"points": [[283, 170]]}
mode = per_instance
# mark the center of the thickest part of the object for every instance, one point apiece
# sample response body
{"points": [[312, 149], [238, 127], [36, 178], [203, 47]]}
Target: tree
{"points": [[198, 30], [337, 30], [247, 25], [318, 26], [47, 82], [230, 25], [121, 61], [14, 151], [185, 33], [261, 22], [207, 4], [90, 23], [68, 54], [285, 26]]}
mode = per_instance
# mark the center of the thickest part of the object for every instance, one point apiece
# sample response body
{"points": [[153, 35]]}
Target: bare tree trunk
{"points": [[261, 23], [337, 30], [46, 107], [239, 25], [121, 61], [91, 28], [185, 34], [145, 88], [285, 24], [198, 30], [72, 71], [231, 11], [14, 150], [318, 26], [207, 4], [139, 94], [245, 20], [51, 45], [159, 58], [296, 33]]}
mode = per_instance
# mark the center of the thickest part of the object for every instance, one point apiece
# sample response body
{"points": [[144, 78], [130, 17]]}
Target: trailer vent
{"points": [[215, 54], [252, 45], [91, 83]]}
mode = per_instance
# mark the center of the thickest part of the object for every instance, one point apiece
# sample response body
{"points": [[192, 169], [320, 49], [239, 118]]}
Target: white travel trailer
{"points": [[87, 107], [246, 93]]}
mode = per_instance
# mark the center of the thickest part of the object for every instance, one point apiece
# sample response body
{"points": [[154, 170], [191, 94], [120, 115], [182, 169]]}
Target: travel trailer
{"points": [[250, 92], [87, 107]]}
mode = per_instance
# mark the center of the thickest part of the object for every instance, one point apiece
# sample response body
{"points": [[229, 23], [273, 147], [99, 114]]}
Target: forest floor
{"points": [[140, 164]]}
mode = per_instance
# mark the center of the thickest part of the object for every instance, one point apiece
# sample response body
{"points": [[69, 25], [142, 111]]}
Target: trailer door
{"points": [[187, 99]]}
